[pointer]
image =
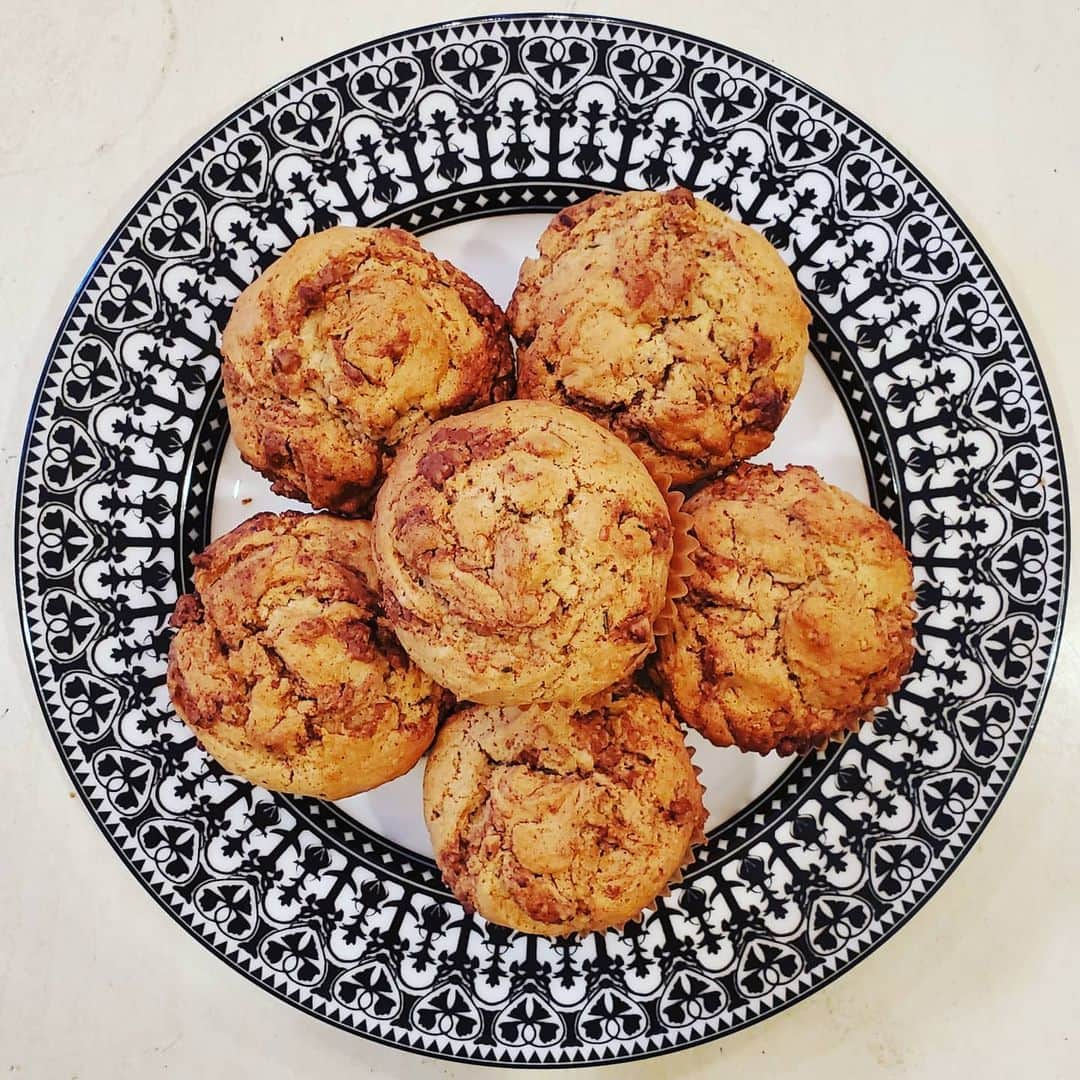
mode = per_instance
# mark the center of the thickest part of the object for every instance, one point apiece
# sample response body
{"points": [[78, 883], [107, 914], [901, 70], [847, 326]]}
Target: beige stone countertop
{"points": [[98, 97]]}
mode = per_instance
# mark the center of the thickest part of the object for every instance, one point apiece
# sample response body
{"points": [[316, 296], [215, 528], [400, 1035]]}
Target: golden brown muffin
{"points": [[523, 554], [666, 321], [563, 819], [285, 667], [798, 618], [350, 343]]}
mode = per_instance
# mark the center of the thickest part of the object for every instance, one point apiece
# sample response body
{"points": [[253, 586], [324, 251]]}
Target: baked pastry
{"points": [[285, 668], [561, 820], [523, 553], [354, 340], [798, 617], [668, 322]]}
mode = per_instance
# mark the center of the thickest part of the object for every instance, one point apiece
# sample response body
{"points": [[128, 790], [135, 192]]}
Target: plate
{"points": [[923, 395]]}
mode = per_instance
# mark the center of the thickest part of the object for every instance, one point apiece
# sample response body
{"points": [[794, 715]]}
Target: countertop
{"points": [[95, 979]]}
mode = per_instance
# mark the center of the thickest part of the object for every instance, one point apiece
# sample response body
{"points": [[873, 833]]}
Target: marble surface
{"points": [[95, 980]]}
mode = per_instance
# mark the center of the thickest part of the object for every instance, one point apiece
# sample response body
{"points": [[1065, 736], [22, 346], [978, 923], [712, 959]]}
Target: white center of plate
{"points": [[815, 432]]}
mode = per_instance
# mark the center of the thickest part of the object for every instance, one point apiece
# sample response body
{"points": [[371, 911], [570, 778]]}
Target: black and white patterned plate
{"points": [[933, 384]]}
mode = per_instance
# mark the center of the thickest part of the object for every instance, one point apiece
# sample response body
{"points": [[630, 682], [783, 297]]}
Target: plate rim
{"points": [[995, 279]]}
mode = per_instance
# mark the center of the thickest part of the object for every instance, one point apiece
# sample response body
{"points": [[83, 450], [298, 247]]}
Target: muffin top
{"points": [[668, 322], [560, 820], [523, 553], [347, 345], [798, 618], [285, 667]]}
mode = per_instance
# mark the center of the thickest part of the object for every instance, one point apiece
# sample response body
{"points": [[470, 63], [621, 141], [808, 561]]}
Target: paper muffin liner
{"points": [[811, 746], [850, 727], [684, 544]]}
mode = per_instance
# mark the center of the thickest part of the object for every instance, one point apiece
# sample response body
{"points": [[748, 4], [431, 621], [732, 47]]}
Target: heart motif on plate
{"points": [[944, 800], [126, 777], [239, 171], [92, 704], [65, 539], [297, 953], [724, 100], [311, 122], [558, 64], [93, 376], [70, 623], [765, 965], [1010, 648], [389, 88], [999, 398], [1020, 565], [983, 725], [610, 1015], [866, 189], [72, 457], [800, 139], [690, 997], [968, 324], [922, 252], [447, 1012], [528, 1021], [129, 299], [1017, 482], [173, 846], [372, 988], [231, 905], [471, 70], [180, 228], [643, 74], [895, 865], [835, 920]]}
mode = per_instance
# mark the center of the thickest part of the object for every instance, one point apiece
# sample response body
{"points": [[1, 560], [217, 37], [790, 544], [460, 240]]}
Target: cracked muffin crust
{"points": [[566, 819], [285, 667], [523, 553], [351, 342], [668, 322], [798, 618]]}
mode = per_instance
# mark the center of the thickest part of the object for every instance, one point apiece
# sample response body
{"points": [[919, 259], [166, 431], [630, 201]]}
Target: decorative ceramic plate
{"points": [[923, 395]]}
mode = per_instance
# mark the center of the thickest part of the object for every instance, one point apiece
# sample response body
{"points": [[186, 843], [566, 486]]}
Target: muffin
{"points": [[523, 553], [351, 342], [666, 321], [285, 667], [797, 621], [561, 820]]}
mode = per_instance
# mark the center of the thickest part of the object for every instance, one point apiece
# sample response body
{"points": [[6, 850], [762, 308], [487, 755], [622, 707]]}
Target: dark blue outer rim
{"points": [[995, 280]]}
